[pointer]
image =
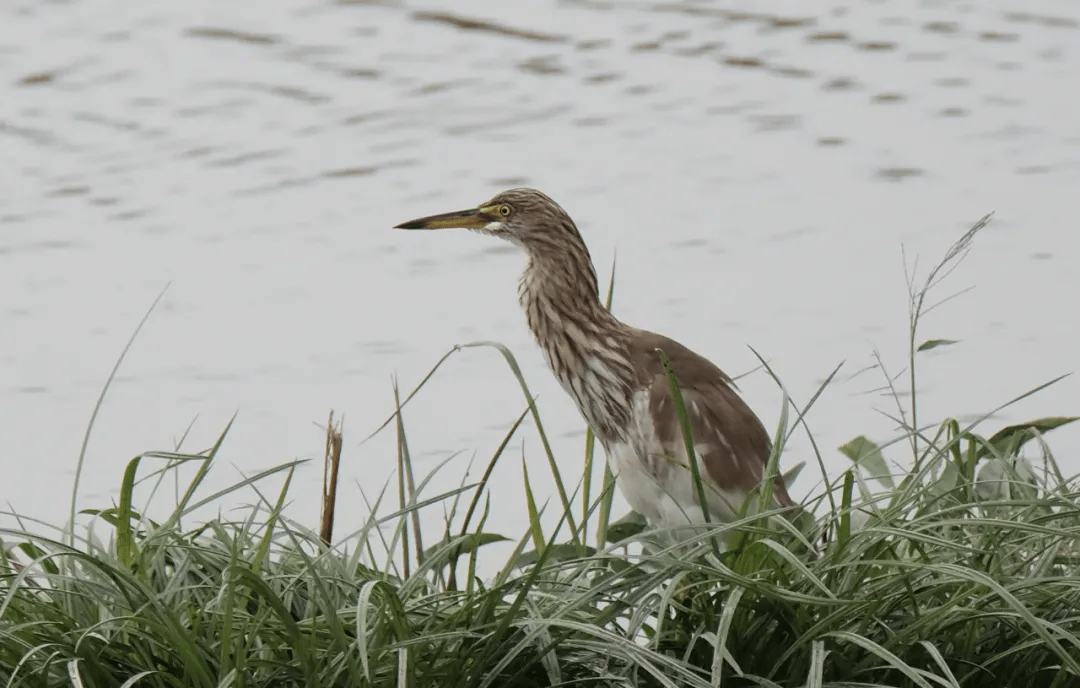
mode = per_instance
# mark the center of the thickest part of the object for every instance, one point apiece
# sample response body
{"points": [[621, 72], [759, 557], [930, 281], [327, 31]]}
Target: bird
{"points": [[615, 375]]}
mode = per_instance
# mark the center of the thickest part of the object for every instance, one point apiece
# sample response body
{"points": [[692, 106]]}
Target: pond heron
{"points": [[614, 374]]}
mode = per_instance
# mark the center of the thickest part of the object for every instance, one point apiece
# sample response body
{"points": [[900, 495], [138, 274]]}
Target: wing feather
{"points": [[732, 444]]}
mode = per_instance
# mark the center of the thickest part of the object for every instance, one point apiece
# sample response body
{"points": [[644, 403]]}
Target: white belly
{"points": [[658, 503]]}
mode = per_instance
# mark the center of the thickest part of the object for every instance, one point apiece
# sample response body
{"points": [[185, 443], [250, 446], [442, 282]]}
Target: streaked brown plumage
{"points": [[613, 372]]}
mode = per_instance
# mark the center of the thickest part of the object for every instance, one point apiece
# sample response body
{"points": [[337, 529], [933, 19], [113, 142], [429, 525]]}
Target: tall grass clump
{"points": [[959, 570]]}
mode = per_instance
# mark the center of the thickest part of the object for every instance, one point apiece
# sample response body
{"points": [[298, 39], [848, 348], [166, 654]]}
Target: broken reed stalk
{"points": [[331, 464]]}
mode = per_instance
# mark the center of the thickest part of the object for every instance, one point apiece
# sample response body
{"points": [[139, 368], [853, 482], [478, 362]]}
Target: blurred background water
{"points": [[757, 173]]}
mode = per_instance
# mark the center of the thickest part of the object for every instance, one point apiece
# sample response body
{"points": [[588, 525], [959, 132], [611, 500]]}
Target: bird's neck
{"points": [[585, 346]]}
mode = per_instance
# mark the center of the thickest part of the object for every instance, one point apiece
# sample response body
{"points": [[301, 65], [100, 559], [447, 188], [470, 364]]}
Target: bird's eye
{"points": [[504, 210]]}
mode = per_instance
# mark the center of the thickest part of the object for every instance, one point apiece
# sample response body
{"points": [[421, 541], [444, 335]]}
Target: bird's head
{"points": [[521, 216]]}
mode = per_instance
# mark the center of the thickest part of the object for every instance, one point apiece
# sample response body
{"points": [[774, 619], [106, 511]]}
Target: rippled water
{"points": [[756, 174]]}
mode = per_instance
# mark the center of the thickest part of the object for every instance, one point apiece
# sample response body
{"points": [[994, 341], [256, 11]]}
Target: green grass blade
{"points": [[97, 408], [606, 499], [556, 474], [816, 674], [535, 528], [688, 442], [263, 550], [720, 651], [126, 550], [891, 659]]}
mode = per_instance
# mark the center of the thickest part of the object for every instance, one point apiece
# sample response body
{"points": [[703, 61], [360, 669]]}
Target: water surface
{"points": [[756, 174]]}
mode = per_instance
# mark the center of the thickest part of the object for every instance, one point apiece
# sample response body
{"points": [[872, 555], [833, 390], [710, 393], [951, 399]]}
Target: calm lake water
{"points": [[757, 176]]}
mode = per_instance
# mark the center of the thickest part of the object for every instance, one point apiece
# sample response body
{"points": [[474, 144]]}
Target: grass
{"points": [[959, 571]]}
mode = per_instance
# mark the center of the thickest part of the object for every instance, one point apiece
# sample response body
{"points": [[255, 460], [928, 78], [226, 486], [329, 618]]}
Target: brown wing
{"points": [[732, 443]]}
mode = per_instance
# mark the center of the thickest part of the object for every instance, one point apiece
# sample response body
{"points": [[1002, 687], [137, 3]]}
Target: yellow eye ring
{"points": [[504, 210]]}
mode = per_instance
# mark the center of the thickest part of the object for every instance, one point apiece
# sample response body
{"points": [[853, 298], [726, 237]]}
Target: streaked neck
{"points": [[583, 343]]}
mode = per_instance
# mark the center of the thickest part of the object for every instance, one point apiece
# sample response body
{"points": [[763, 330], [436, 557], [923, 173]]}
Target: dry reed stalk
{"points": [[331, 464]]}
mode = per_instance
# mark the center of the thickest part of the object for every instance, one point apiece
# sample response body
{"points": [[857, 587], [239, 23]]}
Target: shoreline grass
{"points": [[963, 570]]}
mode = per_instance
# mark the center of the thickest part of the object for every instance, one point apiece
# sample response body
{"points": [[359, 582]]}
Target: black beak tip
{"points": [[411, 224]]}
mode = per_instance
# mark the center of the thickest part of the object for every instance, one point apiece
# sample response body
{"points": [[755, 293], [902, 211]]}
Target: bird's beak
{"points": [[474, 218]]}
